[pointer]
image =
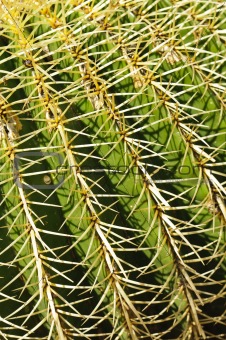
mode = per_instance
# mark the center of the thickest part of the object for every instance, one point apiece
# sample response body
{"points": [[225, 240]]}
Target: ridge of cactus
{"points": [[112, 169]]}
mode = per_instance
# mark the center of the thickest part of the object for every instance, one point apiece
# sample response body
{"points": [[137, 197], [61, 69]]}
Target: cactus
{"points": [[112, 128]]}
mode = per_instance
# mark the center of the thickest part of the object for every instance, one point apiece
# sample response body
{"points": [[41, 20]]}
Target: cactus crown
{"points": [[112, 128]]}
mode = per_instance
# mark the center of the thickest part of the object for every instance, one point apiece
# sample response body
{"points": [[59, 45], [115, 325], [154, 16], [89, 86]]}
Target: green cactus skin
{"points": [[112, 158]]}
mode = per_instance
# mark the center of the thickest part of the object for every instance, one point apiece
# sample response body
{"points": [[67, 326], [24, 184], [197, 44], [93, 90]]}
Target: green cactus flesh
{"points": [[113, 134]]}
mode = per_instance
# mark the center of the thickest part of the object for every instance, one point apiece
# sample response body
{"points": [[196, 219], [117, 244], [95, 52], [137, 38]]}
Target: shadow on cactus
{"points": [[112, 128]]}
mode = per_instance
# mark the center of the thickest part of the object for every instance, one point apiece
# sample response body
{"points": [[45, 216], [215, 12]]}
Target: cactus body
{"points": [[112, 128]]}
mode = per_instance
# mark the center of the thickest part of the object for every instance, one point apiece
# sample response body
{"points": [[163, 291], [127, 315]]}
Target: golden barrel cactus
{"points": [[112, 158]]}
